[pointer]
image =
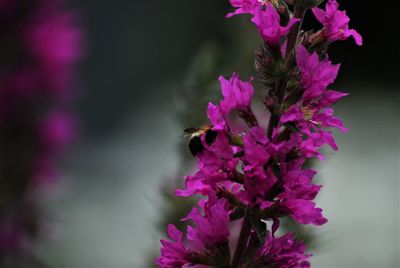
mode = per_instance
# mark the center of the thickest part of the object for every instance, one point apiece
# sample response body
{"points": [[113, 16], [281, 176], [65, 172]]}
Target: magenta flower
{"points": [[317, 111], [216, 164], [216, 117], [268, 23], [297, 181], [282, 252], [259, 148], [315, 141], [209, 236], [256, 152], [316, 75], [255, 188], [336, 23], [311, 119], [174, 254], [237, 94], [244, 7], [211, 228], [296, 199], [303, 211]]}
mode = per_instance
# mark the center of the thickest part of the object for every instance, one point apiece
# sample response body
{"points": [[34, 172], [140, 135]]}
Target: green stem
{"points": [[280, 90], [243, 240], [281, 84], [249, 117], [299, 13]]}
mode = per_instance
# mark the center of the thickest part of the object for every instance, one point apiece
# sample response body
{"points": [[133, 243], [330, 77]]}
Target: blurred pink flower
{"points": [[55, 45]]}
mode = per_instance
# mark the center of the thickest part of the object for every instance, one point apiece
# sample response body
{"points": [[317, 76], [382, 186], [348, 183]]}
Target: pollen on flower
{"points": [[275, 3], [307, 112]]}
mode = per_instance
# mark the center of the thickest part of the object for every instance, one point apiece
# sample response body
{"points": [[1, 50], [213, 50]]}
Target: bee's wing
{"points": [[189, 132]]}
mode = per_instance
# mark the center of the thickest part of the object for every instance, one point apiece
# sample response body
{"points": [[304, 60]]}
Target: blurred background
{"points": [[150, 68]]}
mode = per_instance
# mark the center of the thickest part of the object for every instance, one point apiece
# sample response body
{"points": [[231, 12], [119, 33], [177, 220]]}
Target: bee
{"points": [[195, 144]]}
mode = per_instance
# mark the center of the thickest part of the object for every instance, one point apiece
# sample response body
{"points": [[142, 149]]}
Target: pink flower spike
{"points": [[336, 23]]}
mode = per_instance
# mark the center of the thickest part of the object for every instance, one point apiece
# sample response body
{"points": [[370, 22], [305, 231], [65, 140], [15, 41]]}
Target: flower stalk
{"points": [[244, 236], [298, 13]]}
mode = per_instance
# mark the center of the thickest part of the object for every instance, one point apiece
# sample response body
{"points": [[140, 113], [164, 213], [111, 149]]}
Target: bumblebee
{"points": [[195, 144]]}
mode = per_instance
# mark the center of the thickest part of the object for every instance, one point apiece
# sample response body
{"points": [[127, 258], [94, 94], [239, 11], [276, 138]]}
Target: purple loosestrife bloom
{"points": [[316, 75], [211, 228], [282, 252], [256, 152], [209, 236], [297, 181], [255, 187], [313, 118], [237, 94], [216, 164], [216, 116], [298, 192], [316, 114], [258, 148], [336, 23], [302, 211], [309, 147], [174, 254], [268, 23], [244, 7]]}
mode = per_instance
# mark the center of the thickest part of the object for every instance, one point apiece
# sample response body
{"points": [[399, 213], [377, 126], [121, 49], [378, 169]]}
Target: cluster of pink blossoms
{"points": [[254, 176], [39, 48]]}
